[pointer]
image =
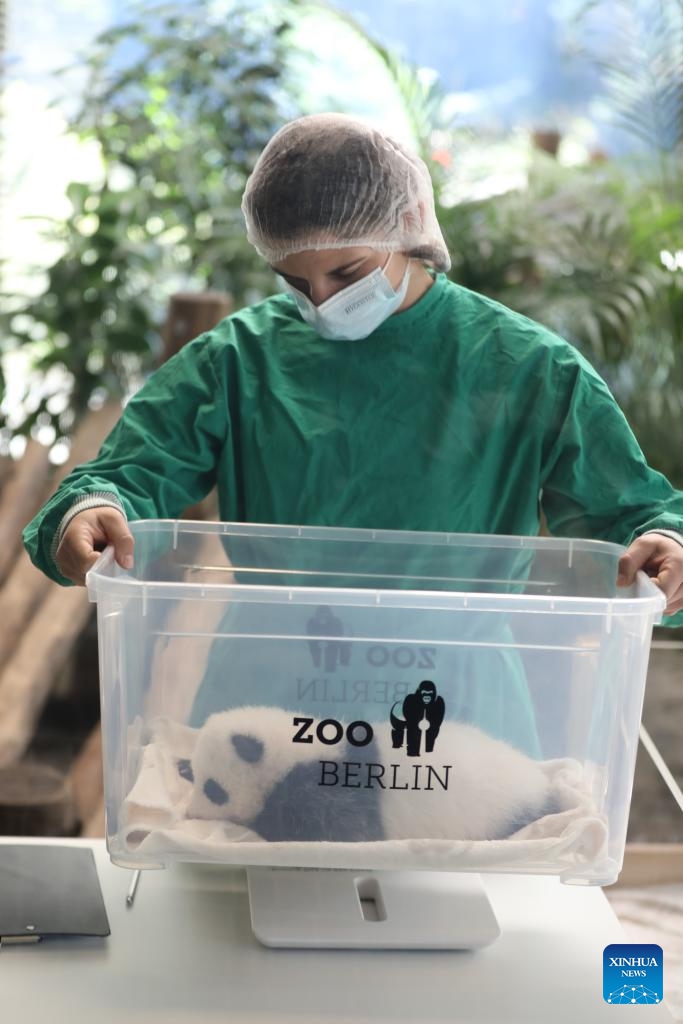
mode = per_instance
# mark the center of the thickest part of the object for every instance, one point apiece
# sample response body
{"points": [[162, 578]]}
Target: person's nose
{"points": [[321, 290]]}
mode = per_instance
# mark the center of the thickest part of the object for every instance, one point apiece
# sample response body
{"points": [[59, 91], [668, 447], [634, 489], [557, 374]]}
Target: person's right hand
{"points": [[87, 535]]}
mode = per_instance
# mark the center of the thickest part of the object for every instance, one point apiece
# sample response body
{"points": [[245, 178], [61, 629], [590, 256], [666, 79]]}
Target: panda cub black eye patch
{"points": [[184, 766], [248, 748], [214, 792]]}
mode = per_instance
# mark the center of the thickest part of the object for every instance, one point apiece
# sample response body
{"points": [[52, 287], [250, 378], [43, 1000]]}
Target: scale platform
{"points": [[342, 909]]}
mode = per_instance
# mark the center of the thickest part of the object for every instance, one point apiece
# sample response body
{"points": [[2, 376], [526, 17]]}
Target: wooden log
{"points": [[35, 800], [86, 777], [547, 140], [89, 435], [27, 678], [7, 466], [650, 863], [190, 314], [26, 587], [20, 499], [179, 659], [94, 827]]}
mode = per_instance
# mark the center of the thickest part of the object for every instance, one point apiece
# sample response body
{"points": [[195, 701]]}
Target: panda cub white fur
{"points": [[245, 768]]}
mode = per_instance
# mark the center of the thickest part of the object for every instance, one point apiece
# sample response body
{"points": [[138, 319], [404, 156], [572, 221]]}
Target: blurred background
{"points": [[554, 134]]}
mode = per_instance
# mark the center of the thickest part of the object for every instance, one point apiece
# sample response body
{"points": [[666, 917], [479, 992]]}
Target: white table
{"points": [[185, 954]]}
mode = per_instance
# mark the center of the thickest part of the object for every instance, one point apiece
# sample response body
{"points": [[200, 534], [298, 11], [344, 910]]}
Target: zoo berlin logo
{"points": [[415, 724], [632, 973], [326, 644]]}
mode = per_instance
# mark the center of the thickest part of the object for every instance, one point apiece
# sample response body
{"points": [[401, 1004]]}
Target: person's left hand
{"points": [[662, 559]]}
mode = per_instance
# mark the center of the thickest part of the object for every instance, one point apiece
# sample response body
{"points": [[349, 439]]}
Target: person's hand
{"points": [[662, 559], [87, 535]]}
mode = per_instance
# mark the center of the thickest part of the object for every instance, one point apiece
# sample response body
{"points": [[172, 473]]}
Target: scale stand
{"points": [[342, 909]]}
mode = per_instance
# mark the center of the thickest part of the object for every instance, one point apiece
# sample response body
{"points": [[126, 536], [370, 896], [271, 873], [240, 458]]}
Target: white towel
{"points": [[571, 842], [156, 804]]}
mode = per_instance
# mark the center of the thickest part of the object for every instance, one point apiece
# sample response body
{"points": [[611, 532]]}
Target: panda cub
{"points": [[246, 769]]}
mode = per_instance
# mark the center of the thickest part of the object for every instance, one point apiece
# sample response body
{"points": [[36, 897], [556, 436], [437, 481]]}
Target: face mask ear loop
{"points": [[384, 268]]}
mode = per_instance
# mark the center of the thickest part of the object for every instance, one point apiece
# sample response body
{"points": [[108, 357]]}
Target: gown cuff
{"points": [[673, 534]]}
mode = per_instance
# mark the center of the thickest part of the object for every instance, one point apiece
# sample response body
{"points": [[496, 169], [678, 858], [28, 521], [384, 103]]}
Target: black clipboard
{"points": [[48, 891]]}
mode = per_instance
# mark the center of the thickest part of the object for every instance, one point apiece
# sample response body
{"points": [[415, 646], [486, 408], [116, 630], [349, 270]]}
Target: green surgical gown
{"points": [[455, 415]]}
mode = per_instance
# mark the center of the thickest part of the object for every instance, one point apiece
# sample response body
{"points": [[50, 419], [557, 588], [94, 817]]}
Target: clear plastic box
{"points": [[342, 698]]}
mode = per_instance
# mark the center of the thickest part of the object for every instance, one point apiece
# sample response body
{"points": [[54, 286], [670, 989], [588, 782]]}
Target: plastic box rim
{"points": [[648, 598]]}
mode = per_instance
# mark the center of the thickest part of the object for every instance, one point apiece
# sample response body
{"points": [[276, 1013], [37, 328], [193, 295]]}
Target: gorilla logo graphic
{"points": [[326, 645], [421, 714]]}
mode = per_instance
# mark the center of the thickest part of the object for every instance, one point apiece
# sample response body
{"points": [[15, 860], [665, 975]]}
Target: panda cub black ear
{"points": [[184, 766], [214, 792], [248, 748]]}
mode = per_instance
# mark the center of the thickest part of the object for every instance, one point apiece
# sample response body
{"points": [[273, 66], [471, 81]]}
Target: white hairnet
{"points": [[328, 181]]}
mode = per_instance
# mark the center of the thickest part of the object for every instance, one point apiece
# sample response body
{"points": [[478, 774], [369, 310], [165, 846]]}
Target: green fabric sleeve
{"points": [[596, 481], [160, 457]]}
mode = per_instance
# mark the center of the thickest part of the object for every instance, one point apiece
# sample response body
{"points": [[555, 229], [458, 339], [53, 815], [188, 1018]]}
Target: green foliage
{"points": [[560, 251], [181, 101], [579, 251], [642, 66], [643, 69]]}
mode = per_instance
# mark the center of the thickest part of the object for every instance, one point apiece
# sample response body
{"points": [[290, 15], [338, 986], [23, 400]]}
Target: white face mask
{"points": [[354, 312]]}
